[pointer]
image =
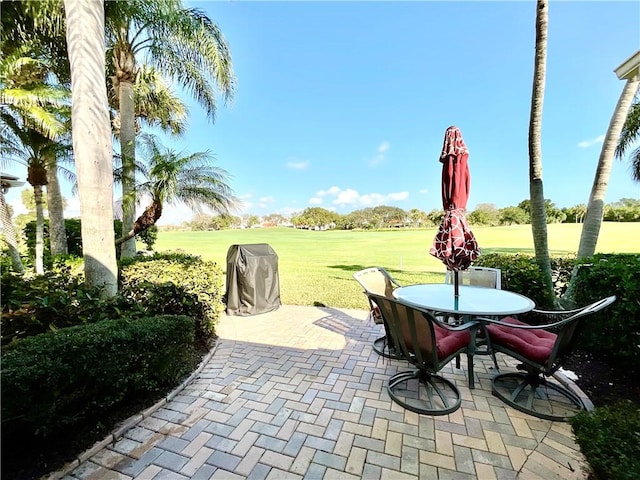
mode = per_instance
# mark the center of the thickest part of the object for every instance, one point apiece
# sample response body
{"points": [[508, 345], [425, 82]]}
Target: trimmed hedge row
{"points": [[609, 437], [63, 379], [614, 333], [521, 273], [174, 284], [200, 287]]}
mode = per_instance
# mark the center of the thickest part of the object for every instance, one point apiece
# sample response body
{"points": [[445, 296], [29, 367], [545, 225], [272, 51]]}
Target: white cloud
{"points": [[351, 197], [591, 142], [298, 165], [332, 191], [347, 197], [424, 191], [380, 157], [398, 196]]}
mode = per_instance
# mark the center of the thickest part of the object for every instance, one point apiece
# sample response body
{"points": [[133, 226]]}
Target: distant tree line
{"points": [[381, 217]]}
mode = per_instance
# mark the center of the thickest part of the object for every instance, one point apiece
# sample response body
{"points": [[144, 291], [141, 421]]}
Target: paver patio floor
{"points": [[299, 393]]}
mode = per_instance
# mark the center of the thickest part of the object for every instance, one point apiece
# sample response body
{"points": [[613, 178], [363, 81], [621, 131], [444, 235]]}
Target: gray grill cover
{"points": [[253, 286]]}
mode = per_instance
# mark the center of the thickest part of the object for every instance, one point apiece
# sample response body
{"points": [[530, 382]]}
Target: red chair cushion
{"points": [[535, 344], [449, 342]]}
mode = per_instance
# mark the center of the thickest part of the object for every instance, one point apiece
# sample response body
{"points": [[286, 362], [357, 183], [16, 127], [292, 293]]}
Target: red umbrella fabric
{"points": [[455, 244]]}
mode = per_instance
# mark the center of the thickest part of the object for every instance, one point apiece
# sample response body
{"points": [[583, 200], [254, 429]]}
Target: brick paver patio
{"points": [[299, 393]]}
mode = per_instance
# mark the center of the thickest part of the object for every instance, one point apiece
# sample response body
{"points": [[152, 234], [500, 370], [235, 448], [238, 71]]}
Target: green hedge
{"points": [[198, 291], [162, 284], [615, 332], [521, 273], [609, 438], [57, 381]]}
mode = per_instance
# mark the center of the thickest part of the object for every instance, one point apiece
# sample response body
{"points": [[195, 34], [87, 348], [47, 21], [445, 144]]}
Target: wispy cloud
{"points": [[298, 165], [591, 142], [315, 201], [381, 154], [351, 197], [265, 201]]}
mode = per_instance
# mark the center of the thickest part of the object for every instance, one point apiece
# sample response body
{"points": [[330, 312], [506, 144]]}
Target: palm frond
{"points": [[631, 130]]}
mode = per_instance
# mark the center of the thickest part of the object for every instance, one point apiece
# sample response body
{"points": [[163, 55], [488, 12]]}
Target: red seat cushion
{"points": [[449, 341], [535, 344]]}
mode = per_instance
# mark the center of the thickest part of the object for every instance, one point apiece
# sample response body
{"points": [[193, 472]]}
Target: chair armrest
{"points": [[544, 326], [447, 326]]}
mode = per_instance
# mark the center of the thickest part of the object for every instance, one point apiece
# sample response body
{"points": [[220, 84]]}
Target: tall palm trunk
{"points": [[125, 66], [92, 141], [536, 190], [10, 237], [595, 209], [39, 260], [127, 141], [37, 177], [57, 231]]}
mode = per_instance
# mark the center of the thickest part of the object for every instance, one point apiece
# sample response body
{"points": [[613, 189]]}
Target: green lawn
{"points": [[317, 267]]}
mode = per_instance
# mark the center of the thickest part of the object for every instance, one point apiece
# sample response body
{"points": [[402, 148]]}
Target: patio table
{"points": [[472, 301]]}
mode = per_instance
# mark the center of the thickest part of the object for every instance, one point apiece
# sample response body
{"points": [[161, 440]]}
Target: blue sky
{"points": [[344, 105]]}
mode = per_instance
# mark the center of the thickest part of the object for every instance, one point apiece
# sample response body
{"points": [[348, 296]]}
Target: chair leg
{"points": [[537, 396], [384, 348], [427, 394]]}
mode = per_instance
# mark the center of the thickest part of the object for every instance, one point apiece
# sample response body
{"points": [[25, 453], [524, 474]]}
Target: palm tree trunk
{"points": [[148, 218], [127, 145], [536, 190], [57, 231], [39, 261], [10, 237], [595, 208], [92, 141]]}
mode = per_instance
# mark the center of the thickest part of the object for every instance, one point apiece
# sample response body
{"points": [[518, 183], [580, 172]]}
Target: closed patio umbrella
{"points": [[455, 244]]}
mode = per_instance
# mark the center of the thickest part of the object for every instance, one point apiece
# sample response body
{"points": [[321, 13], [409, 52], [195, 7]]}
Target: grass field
{"points": [[317, 267]]}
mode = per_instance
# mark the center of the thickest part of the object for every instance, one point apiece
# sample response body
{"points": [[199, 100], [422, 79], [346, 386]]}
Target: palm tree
{"points": [[33, 110], [174, 178], [595, 207], [629, 136], [33, 33], [181, 43], [92, 141], [536, 190], [36, 152]]}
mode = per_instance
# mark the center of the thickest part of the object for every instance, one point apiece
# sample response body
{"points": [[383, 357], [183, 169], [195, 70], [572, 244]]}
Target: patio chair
{"points": [[428, 345], [377, 280], [480, 276], [541, 349]]}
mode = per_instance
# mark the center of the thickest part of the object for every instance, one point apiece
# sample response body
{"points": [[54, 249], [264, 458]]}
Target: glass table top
{"points": [[471, 300]]}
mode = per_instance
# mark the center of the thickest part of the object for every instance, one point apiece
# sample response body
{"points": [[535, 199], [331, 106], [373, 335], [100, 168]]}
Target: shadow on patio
{"points": [[299, 393]]}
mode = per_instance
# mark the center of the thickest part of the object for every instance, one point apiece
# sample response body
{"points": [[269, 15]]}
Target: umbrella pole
{"points": [[456, 292]]}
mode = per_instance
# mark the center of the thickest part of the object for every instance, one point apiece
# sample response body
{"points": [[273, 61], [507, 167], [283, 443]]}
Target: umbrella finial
{"points": [[453, 143]]}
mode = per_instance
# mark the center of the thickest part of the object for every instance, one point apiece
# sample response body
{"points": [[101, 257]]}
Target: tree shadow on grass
{"points": [[396, 271]]}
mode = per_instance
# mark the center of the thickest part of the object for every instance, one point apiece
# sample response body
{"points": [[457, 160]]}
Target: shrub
{"points": [[163, 284], [616, 331], [56, 384], [521, 273], [57, 299], [177, 284], [609, 438]]}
